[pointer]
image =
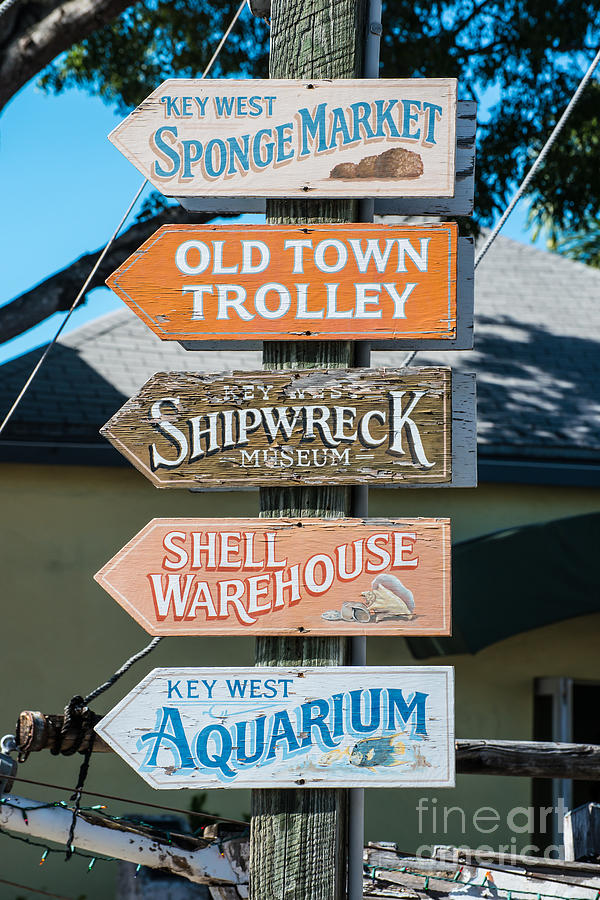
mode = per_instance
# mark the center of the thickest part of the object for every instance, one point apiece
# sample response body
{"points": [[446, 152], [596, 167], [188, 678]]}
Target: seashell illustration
{"points": [[355, 611], [331, 615], [389, 598]]}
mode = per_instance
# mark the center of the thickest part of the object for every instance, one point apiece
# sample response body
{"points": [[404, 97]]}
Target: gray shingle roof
{"points": [[537, 361]]}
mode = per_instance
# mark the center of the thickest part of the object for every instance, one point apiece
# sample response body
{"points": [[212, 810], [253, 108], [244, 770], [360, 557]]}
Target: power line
{"points": [[80, 294], [103, 796], [223, 39], [83, 289], [25, 887], [541, 157], [530, 175]]}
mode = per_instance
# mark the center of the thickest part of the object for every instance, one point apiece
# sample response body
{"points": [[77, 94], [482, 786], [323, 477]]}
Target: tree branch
{"points": [[57, 293], [32, 46]]}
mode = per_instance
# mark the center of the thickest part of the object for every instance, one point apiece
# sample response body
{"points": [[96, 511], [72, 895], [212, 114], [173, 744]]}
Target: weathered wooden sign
{"points": [[288, 727], [336, 282], [374, 426], [285, 576], [280, 138], [461, 204]]}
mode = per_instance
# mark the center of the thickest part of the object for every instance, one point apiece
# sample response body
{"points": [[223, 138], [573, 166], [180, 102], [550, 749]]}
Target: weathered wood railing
{"points": [[530, 759]]}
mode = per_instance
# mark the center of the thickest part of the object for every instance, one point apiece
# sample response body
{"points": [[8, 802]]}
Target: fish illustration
{"points": [[370, 752], [379, 751]]}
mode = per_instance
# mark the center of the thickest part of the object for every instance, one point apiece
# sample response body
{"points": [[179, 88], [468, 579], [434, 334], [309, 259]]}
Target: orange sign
{"points": [[345, 282], [285, 576]]}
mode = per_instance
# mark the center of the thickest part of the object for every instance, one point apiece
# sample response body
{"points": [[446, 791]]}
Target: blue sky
{"points": [[64, 187]]}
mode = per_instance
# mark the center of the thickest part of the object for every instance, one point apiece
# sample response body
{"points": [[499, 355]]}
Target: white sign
{"points": [[277, 138], [288, 727]]}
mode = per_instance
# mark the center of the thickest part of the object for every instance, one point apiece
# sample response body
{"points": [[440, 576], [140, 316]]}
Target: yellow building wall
{"points": [[63, 635]]}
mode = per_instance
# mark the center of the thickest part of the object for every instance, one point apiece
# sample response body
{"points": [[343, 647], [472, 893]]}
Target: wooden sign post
{"points": [[280, 138], [313, 293], [288, 727], [286, 577], [350, 282], [385, 427]]}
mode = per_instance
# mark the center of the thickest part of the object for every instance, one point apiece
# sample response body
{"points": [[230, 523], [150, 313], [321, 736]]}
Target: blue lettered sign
{"points": [[346, 138], [288, 727]]}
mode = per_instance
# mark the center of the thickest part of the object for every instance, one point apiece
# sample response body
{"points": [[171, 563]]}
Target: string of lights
{"points": [[100, 810], [104, 796], [164, 835], [486, 882]]}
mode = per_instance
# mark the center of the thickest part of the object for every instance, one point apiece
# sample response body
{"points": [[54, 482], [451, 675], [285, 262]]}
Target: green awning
{"points": [[512, 581]]}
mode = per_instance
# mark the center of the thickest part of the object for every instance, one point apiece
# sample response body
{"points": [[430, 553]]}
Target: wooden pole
{"points": [[299, 837]]}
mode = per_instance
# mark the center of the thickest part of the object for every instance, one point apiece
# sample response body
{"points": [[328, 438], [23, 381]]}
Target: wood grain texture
{"points": [[386, 426], [287, 577], [459, 205], [464, 318], [454, 873], [525, 759], [529, 759], [309, 282], [297, 837], [582, 832], [280, 726], [289, 138]]}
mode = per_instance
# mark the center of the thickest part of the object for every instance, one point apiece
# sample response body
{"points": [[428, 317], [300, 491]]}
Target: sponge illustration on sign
{"points": [[391, 164], [387, 599]]}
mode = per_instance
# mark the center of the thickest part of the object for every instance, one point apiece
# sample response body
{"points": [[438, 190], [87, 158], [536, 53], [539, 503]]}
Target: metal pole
{"points": [[360, 503]]}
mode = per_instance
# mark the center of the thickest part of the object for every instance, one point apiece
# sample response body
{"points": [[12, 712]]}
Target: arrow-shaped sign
{"points": [[288, 727], [341, 282], [374, 426], [285, 576], [276, 138]]}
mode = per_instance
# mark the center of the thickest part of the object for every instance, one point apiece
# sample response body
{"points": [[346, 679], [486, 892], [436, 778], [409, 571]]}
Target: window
{"points": [[566, 710]]}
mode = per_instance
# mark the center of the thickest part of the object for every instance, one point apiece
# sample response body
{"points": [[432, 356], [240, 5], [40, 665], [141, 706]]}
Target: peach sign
{"points": [[285, 576]]}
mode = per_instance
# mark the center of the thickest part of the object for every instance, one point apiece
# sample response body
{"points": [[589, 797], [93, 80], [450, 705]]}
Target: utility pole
{"points": [[299, 837]]}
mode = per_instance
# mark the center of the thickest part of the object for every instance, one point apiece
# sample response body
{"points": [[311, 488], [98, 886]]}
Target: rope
{"points": [[544, 152], [223, 39], [42, 359], [124, 668], [528, 178], [76, 797], [80, 294], [4, 8]]}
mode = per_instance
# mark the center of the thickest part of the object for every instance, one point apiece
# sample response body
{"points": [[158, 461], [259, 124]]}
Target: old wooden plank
{"points": [[289, 576], [459, 205], [582, 832], [386, 426], [297, 282], [532, 759], [454, 872], [288, 727], [464, 318], [464, 434], [284, 138], [579, 762]]}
